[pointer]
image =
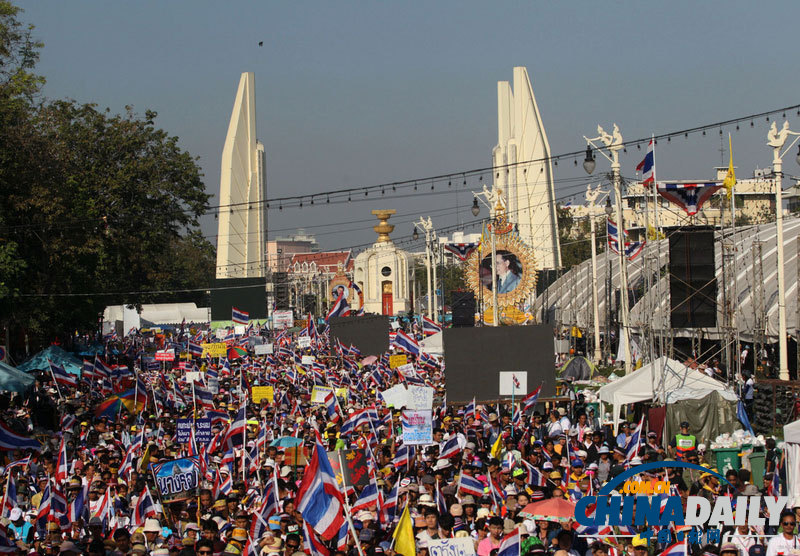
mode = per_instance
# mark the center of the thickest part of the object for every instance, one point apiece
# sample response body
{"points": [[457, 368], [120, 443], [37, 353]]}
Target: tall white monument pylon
{"points": [[242, 224], [528, 186]]}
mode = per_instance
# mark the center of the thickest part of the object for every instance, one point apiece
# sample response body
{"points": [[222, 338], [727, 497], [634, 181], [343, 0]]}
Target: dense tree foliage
{"points": [[90, 202]]}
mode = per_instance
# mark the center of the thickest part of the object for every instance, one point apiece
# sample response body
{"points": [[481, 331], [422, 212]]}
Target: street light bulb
{"points": [[415, 235], [798, 156], [588, 162], [609, 210], [475, 208]]}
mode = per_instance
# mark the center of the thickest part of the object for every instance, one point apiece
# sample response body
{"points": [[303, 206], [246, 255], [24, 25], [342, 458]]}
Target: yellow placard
{"points": [[342, 393], [259, 393], [217, 349], [397, 360]]}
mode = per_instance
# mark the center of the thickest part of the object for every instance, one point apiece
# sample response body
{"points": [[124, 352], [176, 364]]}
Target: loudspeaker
{"points": [[692, 279], [463, 308], [281, 283]]}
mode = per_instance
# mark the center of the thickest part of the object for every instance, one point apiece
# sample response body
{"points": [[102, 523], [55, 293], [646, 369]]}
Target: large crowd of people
{"points": [[81, 459]]}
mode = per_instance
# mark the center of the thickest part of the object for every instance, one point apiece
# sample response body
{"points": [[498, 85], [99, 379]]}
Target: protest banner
{"points": [[165, 355], [282, 319], [202, 430], [307, 360], [264, 349], [417, 427], [451, 547], [258, 393], [420, 397], [217, 349], [356, 469], [319, 393], [397, 360], [304, 342], [177, 479]]}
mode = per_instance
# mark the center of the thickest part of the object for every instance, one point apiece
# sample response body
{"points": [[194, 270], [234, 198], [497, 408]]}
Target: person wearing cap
{"points": [[22, 529], [622, 434], [653, 447], [683, 442], [639, 546]]}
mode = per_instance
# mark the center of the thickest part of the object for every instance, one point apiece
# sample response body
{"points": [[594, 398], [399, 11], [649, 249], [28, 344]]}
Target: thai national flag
{"points": [[647, 166], [676, 549], [62, 468], [144, 508], [76, 506], [237, 431], [429, 327], [339, 308], [7, 546], [320, 501], [470, 485], [403, 456], [239, 317], [10, 498], [9, 440], [633, 442], [405, 343], [358, 297], [61, 376], [449, 448], [354, 421], [268, 508], [367, 498], [195, 350], [312, 542], [509, 546], [529, 401], [535, 477]]}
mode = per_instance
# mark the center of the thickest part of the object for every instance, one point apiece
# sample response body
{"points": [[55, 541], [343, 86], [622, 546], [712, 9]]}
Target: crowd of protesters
{"points": [[78, 479]]}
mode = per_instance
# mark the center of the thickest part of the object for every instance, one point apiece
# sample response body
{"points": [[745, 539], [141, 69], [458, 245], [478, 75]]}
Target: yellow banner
{"points": [[217, 349], [259, 393], [397, 360]]}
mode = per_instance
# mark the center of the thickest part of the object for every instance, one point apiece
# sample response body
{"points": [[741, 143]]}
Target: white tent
{"points": [[791, 435], [433, 344], [665, 380], [159, 313]]}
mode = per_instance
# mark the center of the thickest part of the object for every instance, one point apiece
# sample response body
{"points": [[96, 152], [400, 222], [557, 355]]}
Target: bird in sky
{"points": [[260, 43]]}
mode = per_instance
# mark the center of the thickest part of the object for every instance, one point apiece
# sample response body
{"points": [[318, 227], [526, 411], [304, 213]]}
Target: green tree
{"points": [[574, 237], [90, 202]]}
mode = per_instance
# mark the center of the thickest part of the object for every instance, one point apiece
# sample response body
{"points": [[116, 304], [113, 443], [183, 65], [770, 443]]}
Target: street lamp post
{"points": [[613, 144], [776, 140], [591, 196], [491, 200], [427, 227]]}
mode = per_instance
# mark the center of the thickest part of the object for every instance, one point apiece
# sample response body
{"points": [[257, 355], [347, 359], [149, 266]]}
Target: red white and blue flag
{"points": [[632, 248], [470, 485], [510, 545], [689, 196], [9, 440], [406, 343], [62, 468], [449, 448], [320, 501], [145, 507], [632, 447], [61, 376], [648, 166], [429, 327], [239, 317], [529, 401], [676, 549], [461, 250], [340, 308]]}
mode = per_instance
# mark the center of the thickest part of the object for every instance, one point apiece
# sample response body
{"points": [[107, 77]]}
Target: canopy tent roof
{"points": [[14, 380], [55, 354], [433, 344], [154, 314], [665, 380], [569, 299], [791, 432]]}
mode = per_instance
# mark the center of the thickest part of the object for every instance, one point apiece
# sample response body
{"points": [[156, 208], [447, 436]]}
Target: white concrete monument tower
{"points": [[528, 188], [242, 229]]}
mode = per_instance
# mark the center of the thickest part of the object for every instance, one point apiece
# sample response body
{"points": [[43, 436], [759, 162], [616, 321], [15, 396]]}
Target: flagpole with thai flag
{"points": [[347, 512], [58, 389]]}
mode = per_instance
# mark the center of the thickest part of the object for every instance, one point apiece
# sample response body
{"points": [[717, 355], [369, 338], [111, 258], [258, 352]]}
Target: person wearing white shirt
{"points": [[740, 537], [785, 542]]}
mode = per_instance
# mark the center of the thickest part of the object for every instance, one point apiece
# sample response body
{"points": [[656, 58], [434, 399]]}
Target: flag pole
{"points": [[50, 366], [347, 512]]}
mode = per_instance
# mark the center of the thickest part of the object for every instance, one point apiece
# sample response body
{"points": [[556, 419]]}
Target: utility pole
{"points": [[591, 196]]}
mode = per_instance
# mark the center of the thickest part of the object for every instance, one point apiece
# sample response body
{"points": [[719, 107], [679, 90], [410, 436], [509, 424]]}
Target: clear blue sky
{"points": [[360, 93]]}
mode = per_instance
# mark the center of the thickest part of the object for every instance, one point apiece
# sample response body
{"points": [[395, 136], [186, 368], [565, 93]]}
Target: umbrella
{"points": [[236, 352], [369, 360], [287, 442], [552, 509], [14, 380], [112, 406]]}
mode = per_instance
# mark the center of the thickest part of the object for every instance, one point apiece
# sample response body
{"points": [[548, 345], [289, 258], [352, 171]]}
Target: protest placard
{"points": [[417, 427], [259, 393], [177, 479]]}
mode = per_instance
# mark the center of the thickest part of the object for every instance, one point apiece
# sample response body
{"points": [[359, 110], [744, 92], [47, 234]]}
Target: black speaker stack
{"points": [[692, 279], [463, 308]]}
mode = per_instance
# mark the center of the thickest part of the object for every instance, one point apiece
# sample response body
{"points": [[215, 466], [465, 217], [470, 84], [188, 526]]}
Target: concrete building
{"points": [[383, 272], [242, 219], [522, 168], [281, 249], [311, 274]]}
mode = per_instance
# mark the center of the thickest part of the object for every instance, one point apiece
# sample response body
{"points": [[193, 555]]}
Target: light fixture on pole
{"points": [[776, 139], [415, 234], [490, 198], [612, 142], [427, 227], [591, 196]]}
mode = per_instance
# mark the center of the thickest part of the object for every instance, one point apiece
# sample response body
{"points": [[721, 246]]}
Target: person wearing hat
{"points": [[683, 442], [652, 448], [639, 546], [69, 548], [152, 533], [622, 434], [22, 529]]}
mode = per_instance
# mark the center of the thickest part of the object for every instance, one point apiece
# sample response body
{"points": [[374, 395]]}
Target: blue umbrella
{"points": [[287, 442]]}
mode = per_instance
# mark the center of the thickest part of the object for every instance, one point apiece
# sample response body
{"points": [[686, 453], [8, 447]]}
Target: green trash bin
{"points": [[757, 460], [727, 458]]}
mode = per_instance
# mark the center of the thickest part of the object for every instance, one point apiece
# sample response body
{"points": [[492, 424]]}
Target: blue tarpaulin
{"points": [[14, 380], [55, 354]]}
